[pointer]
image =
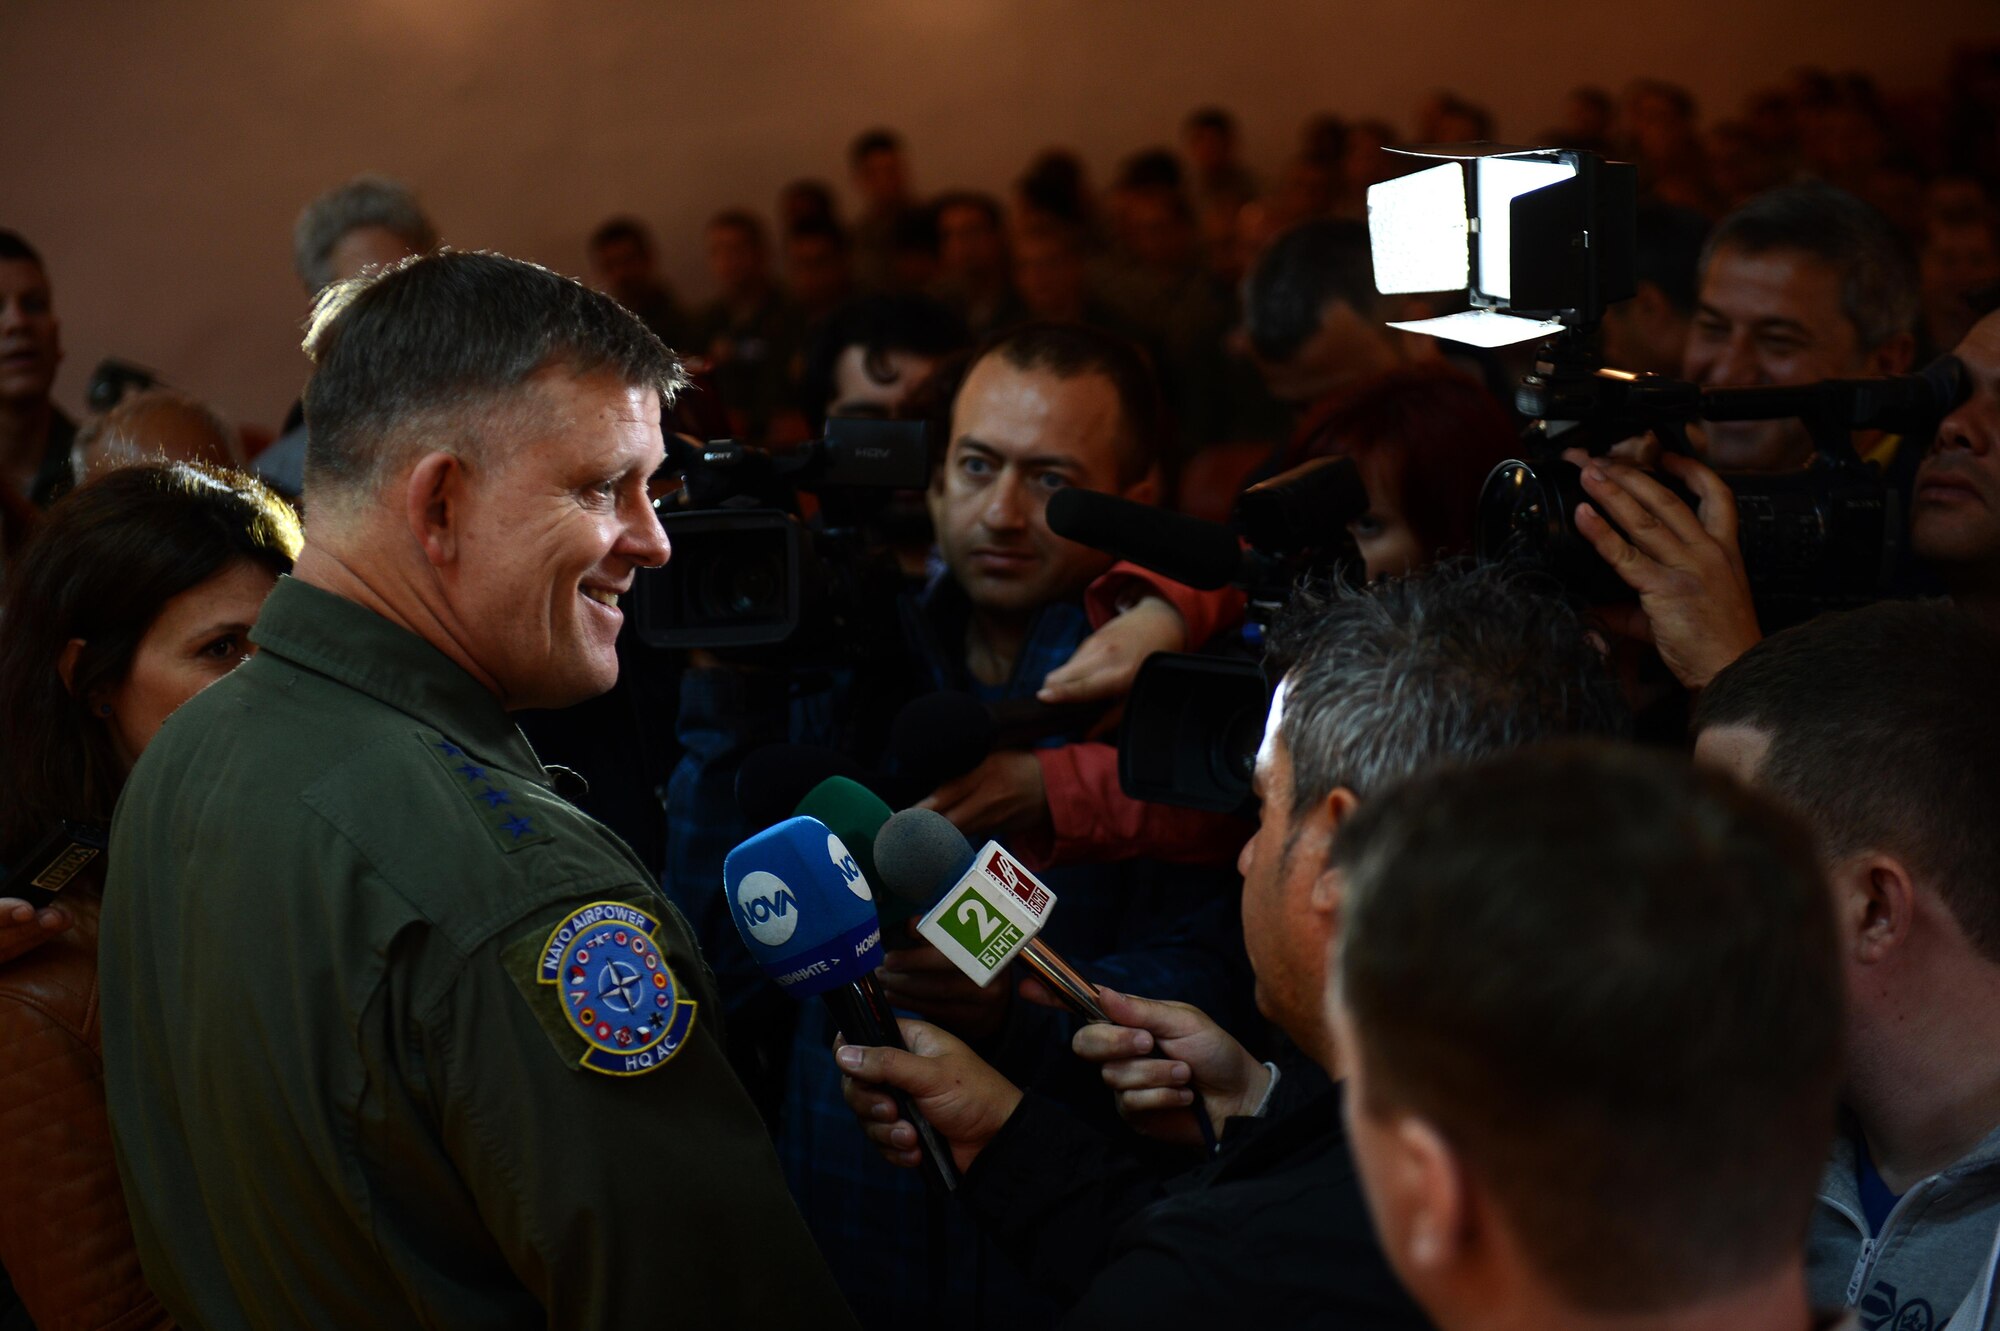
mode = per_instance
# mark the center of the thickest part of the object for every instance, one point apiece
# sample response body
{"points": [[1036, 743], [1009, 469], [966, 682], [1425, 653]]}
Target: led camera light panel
{"points": [[1417, 230], [1497, 182]]}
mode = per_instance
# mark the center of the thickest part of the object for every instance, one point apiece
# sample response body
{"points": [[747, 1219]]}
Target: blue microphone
{"points": [[807, 915]]}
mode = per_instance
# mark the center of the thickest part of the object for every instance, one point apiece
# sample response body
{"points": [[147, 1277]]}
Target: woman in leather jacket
{"points": [[136, 591]]}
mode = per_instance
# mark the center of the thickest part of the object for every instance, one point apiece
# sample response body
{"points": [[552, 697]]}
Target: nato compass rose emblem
{"points": [[617, 991]]}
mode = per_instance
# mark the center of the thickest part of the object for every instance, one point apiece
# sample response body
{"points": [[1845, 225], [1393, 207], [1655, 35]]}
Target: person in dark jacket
{"points": [[1272, 1229], [1625, 1132]]}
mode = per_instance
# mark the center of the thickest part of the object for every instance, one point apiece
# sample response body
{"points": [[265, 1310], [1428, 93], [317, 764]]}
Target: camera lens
{"points": [[744, 582], [1515, 517], [1237, 746]]}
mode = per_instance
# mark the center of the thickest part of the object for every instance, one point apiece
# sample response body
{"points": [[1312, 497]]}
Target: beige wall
{"points": [[158, 150]]}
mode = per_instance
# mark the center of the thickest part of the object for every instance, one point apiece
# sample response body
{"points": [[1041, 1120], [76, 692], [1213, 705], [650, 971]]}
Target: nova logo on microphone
{"points": [[857, 883], [803, 906], [769, 907]]}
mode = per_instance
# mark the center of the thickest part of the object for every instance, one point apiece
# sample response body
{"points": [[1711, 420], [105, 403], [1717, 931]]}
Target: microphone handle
{"points": [[864, 1017], [1063, 980]]}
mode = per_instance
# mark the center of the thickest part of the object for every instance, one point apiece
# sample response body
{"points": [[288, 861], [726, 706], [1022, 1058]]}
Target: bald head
{"points": [[158, 425]]}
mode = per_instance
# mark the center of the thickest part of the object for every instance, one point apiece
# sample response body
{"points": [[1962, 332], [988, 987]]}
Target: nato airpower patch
{"points": [[616, 988]]}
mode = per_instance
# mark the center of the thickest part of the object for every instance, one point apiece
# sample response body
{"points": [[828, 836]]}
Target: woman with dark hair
{"points": [[1424, 437], [138, 590]]}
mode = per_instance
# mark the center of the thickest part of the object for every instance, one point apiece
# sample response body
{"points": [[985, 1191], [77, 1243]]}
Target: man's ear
{"points": [[1875, 904], [1329, 886], [66, 664], [433, 506], [1434, 1198]]}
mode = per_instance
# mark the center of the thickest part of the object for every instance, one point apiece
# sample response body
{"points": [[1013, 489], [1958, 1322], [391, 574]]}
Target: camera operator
{"points": [[1802, 283], [1694, 597], [1567, 1145], [1434, 668], [343, 870], [1877, 727]]}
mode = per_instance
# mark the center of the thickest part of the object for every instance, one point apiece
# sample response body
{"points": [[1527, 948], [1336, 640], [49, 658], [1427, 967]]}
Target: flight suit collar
{"points": [[333, 636]]}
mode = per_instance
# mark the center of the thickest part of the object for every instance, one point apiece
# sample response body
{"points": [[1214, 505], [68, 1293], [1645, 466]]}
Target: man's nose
{"points": [[646, 541], [1006, 507], [1735, 363], [1973, 427]]}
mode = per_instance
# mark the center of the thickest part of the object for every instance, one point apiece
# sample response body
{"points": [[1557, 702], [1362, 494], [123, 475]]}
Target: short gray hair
{"points": [[1451, 664], [1878, 273], [430, 348], [362, 201]]}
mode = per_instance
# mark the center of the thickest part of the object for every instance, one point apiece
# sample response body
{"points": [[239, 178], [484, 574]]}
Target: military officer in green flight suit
{"points": [[393, 1035]]}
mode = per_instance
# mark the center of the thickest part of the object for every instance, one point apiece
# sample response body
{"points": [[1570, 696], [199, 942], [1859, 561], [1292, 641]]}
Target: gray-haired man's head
{"points": [[366, 223]]}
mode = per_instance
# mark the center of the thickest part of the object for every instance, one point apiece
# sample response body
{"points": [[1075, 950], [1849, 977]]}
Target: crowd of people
{"points": [[1620, 954]]}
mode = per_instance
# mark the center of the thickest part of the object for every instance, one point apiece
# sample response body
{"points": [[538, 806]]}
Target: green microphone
{"points": [[854, 813]]}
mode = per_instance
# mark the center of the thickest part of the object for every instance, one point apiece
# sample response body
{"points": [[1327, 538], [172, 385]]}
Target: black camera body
{"points": [[1832, 535], [747, 571]]}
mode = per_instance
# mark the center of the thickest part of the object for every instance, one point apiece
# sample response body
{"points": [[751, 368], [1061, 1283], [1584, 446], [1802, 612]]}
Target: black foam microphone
{"points": [[773, 779], [933, 739], [1204, 555]]}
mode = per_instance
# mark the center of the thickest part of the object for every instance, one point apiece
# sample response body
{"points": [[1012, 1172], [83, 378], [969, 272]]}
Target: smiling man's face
{"points": [[553, 531], [1019, 435]]}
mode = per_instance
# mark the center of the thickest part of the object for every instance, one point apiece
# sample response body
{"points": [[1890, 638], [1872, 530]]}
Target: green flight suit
{"points": [[348, 1079]]}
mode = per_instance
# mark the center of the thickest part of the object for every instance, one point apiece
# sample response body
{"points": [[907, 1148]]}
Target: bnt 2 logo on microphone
{"points": [[769, 907], [981, 928], [989, 915]]}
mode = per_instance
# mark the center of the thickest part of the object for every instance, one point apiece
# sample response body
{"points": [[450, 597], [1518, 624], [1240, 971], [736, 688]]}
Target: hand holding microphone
{"points": [[988, 913], [807, 915], [1158, 1056], [962, 1098]]}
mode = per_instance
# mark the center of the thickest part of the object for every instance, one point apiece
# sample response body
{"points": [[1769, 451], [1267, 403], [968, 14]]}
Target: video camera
{"points": [[746, 569], [1541, 240], [1193, 721]]}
